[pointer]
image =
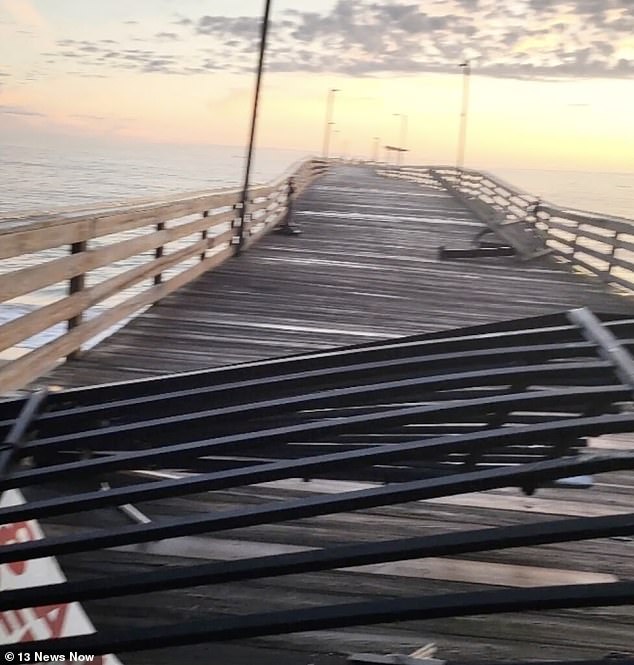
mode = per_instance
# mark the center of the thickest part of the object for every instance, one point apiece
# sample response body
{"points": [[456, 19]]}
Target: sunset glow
{"points": [[551, 88]]}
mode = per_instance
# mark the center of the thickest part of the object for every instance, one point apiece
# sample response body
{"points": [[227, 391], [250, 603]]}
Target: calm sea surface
{"points": [[40, 178], [608, 193]]}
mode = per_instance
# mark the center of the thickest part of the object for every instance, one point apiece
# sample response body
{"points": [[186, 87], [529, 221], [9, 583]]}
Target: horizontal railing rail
{"points": [[70, 276], [602, 245]]}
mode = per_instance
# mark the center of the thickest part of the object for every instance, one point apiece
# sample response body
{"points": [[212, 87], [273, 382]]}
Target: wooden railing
{"points": [[601, 245], [88, 270]]}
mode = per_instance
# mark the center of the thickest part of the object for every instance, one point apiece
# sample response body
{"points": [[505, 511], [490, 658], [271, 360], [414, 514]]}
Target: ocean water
{"points": [[607, 193], [39, 178]]}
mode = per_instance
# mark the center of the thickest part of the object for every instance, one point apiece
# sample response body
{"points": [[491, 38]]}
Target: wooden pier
{"points": [[365, 268]]}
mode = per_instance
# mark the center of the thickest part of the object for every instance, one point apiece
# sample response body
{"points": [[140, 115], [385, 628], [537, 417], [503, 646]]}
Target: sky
{"points": [[551, 85]]}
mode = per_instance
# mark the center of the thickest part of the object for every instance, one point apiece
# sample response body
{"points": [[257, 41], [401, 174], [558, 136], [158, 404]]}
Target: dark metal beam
{"points": [[14, 440], [297, 382], [247, 474], [542, 432], [343, 556], [181, 427], [528, 475], [219, 629]]}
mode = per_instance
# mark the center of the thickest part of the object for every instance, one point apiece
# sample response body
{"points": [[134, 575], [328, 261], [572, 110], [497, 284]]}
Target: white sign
{"points": [[37, 623]]}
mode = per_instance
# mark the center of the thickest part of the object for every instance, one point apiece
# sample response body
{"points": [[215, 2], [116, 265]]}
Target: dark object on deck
{"points": [[522, 237], [433, 415], [287, 227], [392, 659], [445, 254]]}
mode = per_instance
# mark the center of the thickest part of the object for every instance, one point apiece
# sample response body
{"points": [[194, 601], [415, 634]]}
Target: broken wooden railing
{"points": [[71, 276], [602, 245]]}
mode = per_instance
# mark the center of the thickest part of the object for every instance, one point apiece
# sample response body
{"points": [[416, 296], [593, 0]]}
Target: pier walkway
{"points": [[365, 268]]}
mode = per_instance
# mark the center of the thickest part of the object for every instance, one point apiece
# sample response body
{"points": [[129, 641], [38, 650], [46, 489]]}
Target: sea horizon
{"points": [[41, 178]]}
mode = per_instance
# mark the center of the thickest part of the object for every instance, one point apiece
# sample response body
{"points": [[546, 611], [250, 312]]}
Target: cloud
{"points": [[168, 36], [103, 55], [182, 20], [520, 39], [19, 110], [533, 39], [86, 116]]}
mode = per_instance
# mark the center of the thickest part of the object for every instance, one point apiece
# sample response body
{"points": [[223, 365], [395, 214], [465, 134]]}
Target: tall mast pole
{"points": [[254, 115], [401, 154], [330, 102], [462, 135]]}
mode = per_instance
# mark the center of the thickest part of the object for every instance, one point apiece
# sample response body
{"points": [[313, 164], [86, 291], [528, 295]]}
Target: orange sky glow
{"points": [[154, 71]]}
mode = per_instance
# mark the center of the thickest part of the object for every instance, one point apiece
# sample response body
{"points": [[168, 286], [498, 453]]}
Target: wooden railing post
{"points": [[615, 240], [76, 284], [236, 225], [203, 235], [158, 253], [575, 245]]}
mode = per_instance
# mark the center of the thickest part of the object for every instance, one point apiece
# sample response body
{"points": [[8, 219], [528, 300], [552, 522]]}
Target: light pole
{"points": [[330, 103], [464, 110], [403, 141], [254, 116], [335, 132], [375, 149]]}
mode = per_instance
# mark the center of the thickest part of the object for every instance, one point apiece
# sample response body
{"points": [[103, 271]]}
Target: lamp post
{"points": [[403, 140], [464, 110], [375, 149], [330, 103], [254, 116], [335, 133]]}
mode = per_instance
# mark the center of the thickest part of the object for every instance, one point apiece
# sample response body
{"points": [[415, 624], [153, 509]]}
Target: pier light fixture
{"points": [[375, 149], [336, 137], [403, 139], [330, 104], [464, 110]]}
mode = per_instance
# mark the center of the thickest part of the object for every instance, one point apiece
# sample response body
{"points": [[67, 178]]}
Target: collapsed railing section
{"points": [[601, 245], [435, 415], [71, 276]]}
